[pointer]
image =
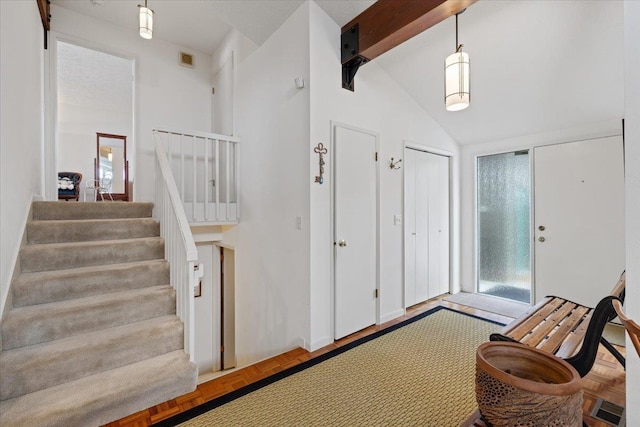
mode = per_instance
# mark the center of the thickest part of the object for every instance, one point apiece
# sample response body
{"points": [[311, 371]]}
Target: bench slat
{"points": [[545, 327], [573, 341], [524, 316], [564, 329], [535, 318]]}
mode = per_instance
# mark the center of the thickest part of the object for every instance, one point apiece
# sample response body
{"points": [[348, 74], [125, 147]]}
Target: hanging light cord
{"points": [[458, 46]]}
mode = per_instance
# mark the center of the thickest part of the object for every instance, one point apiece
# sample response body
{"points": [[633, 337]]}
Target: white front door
{"points": [[579, 219], [355, 227]]}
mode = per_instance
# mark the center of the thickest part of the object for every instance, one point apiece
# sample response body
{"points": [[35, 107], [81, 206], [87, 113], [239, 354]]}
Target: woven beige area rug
{"points": [[421, 373]]}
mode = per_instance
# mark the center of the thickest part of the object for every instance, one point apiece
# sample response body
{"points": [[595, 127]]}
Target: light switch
{"points": [[397, 220]]}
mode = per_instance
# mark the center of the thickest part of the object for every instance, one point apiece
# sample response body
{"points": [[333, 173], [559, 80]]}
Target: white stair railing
{"points": [[180, 248], [205, 167]]}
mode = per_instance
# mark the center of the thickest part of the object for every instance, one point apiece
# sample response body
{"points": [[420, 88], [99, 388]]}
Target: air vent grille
{"points": [[186, 59], [609, 412]]}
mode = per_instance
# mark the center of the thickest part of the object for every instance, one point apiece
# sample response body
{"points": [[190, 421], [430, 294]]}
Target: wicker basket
{"points": [[521, 386]]}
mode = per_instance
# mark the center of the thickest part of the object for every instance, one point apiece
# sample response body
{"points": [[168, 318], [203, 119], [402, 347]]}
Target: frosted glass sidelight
{"points": [[503, 225]]}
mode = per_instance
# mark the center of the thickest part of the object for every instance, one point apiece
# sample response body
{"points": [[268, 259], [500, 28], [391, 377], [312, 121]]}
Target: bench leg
{"points": [[586, 356], [619, 357]]}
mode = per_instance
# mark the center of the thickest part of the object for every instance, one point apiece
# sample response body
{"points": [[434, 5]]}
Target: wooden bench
{"points": [[569, 330]]}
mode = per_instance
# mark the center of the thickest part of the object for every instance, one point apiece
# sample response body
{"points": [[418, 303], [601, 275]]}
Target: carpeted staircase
{"points": [[92, 336]]}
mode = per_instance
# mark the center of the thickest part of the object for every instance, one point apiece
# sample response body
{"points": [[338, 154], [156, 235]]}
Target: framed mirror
{"points": [[112, 167]]}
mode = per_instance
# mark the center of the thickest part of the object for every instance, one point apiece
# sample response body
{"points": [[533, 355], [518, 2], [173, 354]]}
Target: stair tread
{"points": [[22, 277], [31, 368], [50, 321], [104, 397], [58, 222], [60, 256], [59, 285], [51, 210], [89, 243], [54, 308], [73, 343], [76, 230]]}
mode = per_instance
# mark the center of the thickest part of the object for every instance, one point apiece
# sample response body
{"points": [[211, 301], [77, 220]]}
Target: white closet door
{"points": [[438, 225], [355, 204], [426, 226], [422, 229], [410, 227]]}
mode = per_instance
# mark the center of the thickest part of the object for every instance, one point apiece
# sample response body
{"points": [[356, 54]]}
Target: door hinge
{"points": [[221, 349], [376, 156], [213, 91], [377, 293]]}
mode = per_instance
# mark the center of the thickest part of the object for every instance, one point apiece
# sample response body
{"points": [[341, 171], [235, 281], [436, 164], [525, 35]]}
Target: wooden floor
{"points": [[605, 380]]}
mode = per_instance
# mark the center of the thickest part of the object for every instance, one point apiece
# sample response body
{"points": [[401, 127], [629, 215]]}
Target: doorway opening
{"points": [[94, 96], [503, 225]]}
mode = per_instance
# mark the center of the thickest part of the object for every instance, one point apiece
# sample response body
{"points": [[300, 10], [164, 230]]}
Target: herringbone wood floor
{"points": [[606, 379]]}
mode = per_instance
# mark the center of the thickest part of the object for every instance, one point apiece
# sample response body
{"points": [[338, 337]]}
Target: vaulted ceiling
{"points": [[536, 66]]}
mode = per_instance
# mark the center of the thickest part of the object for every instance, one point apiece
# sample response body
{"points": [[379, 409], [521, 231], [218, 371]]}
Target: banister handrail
{"points": [[176, 202], [180, 247], [199, 134]]}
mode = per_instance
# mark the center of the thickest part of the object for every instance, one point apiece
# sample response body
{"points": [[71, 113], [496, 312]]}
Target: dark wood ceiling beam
{"points": [[44, 6], [385, 25]]}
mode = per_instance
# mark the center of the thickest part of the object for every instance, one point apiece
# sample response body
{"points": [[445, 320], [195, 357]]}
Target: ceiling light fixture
{"points": [[145, 21], [456, 76]]}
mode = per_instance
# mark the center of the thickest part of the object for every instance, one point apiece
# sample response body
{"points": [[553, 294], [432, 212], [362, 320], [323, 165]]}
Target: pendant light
{"points": [[456, 75], [145, 21]]}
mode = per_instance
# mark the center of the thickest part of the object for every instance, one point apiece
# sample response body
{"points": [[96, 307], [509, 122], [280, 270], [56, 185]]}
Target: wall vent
{"points": [[186, 59], [609, 413]]}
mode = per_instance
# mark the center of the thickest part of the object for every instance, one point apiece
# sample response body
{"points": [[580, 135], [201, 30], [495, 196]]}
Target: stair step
{"points": [[36, 367], [46, 322], [60, 231], [60, 256], [91, 210], [60, 285], [99, 399]]}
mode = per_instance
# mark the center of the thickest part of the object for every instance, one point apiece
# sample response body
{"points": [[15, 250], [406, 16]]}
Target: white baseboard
{"points": [[390, 316], [320, 343]]}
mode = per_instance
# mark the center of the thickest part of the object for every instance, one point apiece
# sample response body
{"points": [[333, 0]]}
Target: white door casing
{"points": [[355, 229], [579, 200]]}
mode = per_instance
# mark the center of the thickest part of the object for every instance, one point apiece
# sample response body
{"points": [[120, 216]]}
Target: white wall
{"points": [[380, 105], [167, 94], [21, 124], [632, 177], [467, 178], [272, 256]]}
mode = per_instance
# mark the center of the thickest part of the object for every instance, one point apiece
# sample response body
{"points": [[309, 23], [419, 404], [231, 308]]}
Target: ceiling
{"points": [[536, 66]]}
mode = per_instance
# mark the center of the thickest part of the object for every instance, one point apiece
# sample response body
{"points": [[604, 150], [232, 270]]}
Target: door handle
{"points": [[342, 243]]}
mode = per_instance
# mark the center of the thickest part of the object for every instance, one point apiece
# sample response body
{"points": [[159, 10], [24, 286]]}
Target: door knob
{"points": [[342, 243], [541, 239]]}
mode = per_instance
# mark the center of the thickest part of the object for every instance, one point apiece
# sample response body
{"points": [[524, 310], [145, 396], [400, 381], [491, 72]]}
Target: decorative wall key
{"points": [[321, 150]]}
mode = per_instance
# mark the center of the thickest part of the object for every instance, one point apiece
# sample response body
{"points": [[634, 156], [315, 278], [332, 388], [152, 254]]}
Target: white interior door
{"points": [[421, 232], [438, 224], [410, 241], [355, 227], [426, 225], [579, 219]]}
